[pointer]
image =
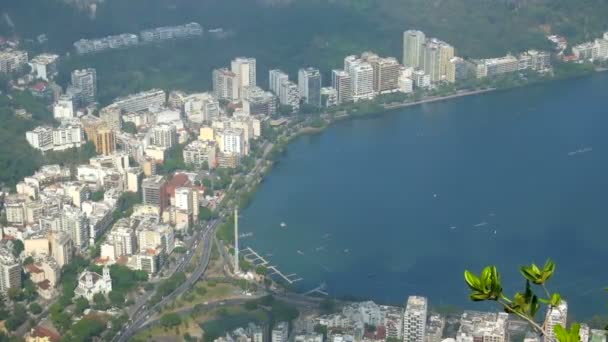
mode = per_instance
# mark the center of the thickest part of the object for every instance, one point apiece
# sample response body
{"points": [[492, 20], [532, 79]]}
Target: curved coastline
{"points": [[309, 130]]}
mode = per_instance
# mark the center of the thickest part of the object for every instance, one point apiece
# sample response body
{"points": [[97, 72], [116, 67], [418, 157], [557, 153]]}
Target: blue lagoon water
{"points": [[402, 203]]}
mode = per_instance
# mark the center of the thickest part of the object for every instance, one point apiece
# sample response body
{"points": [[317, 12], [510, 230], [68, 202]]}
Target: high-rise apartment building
{"points": [[436, 59], [123, 240], [555, 315], [10, 272], [62, 247], [245, 70], [413, 42], [340, 80], [276, 77], [234, 141], [280, 333], [309, 86], [183, 199], [289, 95], [153, 189], [164, 135], [105, 141], [386, 74], [225, 84], [40, 138], [111, 115], [12, 60], [85, 80], [414, 319], [74, 222], [362, 80]]}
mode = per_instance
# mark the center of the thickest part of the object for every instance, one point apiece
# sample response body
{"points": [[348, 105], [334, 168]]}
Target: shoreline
{"points": [[383, 109]]}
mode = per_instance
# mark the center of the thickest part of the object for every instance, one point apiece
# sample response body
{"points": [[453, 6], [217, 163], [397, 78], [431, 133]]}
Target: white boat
{"points": [[453, 227], [481, 224], [300, 252], [283, 224]]}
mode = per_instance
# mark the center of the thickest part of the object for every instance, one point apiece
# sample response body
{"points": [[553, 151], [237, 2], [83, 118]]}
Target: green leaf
{"points": [[563, 335], [472, 280], [556, 299], [485, 287]]}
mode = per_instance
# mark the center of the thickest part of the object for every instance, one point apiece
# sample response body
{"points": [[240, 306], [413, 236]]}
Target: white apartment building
{"points": [[556, 315], [341, 81], [309, 86], [482, 327], [85, 81], [414, 319], [362, 80], [234, 141], [111, 115], [289, 95], [75, 223], [245, 70], [280, 333], [141, 101], [406, 84], [10, 271], [413, 41], [12, 60], [225, 84], [163, 135], [198, 152], [201, 107], [156, 236], [67, 135], [276, 77], [44, 66], [63, 108], [40, 138], [123, 239], [183, 199]]}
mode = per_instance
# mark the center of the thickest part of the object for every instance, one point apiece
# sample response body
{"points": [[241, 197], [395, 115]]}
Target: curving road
{"points": [[143, 313]]}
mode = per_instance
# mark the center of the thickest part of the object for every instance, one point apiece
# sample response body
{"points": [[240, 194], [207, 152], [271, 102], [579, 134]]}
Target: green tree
{"points": [[97, 196], [80, 304], [18, 317], [117, 298], [205, 214], [170, 320], [100, 302], [28, 261], [35, 308], [129, 127], [526, 304], [17, 248]]}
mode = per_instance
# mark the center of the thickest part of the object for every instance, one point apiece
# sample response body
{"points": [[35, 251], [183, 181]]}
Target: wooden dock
{"points": [[256, 259]]}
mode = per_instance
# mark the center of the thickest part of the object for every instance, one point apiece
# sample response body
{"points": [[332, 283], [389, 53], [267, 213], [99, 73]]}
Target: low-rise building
{"points": [[198, 153], [92, 283]]}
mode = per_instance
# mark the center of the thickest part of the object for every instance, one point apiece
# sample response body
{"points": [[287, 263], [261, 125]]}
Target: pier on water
{"points": [[256, 259]]}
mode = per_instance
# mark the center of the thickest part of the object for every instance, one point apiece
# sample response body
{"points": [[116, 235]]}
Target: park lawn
{"points": [[158, 332], [221, 291]]}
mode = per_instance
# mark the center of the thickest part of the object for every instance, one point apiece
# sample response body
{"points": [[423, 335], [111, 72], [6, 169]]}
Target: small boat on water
{"points": [[300, 252], [283, 224], [481, 224]]}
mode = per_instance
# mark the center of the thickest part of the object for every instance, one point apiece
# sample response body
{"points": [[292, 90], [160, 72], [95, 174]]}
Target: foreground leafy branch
{"points": [[526, 304]]}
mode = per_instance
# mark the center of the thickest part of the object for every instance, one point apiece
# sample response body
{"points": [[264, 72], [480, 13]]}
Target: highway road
{"points": [[142, 313]]}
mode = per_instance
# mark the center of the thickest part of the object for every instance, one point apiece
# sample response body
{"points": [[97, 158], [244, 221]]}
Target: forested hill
{"points": [[475, 27]]}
